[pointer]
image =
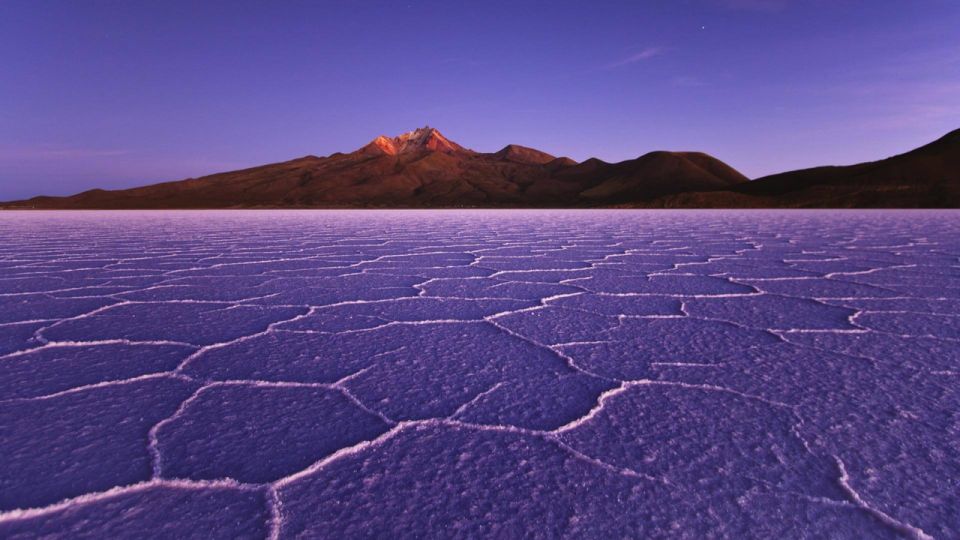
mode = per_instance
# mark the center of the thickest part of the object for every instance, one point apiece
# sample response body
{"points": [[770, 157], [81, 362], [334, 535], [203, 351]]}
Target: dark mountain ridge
{"points": [[927, 177], [424, 169]]}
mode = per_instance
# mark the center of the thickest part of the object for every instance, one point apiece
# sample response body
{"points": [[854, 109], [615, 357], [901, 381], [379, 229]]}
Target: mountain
{"points": [[530, 156], [928, 177], [424, 169], [425, 138]]}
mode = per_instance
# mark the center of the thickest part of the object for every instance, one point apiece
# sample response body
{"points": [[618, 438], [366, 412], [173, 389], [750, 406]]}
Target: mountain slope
{"points": [[424, 169], [928, 177]]}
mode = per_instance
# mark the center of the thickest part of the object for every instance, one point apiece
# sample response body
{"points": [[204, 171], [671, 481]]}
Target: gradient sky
{"points": [[121, 93]]}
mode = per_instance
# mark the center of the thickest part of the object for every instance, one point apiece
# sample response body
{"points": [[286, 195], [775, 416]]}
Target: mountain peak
{"points": [[522, 154], [381, 145], [425, 138]]}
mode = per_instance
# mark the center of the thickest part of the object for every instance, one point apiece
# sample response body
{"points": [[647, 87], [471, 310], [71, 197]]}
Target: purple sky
{"points": [[121, 93]]}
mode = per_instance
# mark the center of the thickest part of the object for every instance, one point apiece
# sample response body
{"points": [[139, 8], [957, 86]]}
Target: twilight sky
{"points": [[97, 93]]}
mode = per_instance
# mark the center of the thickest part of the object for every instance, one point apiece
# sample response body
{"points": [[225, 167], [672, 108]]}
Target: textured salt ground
{"points": [[437, 374]]}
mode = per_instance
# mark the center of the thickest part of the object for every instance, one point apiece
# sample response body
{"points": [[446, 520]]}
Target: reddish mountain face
{"points": [[424, 169], [425, 138]]}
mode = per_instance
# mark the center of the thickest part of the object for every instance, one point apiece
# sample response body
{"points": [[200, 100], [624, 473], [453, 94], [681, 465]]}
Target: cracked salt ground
{"points": [[435, 374]]}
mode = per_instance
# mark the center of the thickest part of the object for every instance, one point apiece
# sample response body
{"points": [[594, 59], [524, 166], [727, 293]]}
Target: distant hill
{"points": [[928, 177], [424, 169]]}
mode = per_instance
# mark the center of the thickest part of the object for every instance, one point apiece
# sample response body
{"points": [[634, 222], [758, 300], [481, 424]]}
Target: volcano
{"points": [[424, 169]]}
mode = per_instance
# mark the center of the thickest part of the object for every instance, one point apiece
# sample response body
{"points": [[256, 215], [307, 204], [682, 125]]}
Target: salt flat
{"points": [[482, 373]]}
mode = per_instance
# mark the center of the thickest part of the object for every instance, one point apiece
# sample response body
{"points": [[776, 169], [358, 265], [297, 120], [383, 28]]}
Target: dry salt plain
{"points": [[438, 374]]}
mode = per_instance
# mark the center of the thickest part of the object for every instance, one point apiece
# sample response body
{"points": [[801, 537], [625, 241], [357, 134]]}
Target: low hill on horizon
{"points": [[927, 177]]}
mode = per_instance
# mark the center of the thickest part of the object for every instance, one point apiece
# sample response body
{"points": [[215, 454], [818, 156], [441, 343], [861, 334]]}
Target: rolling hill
{"points": [[928, 177]]}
